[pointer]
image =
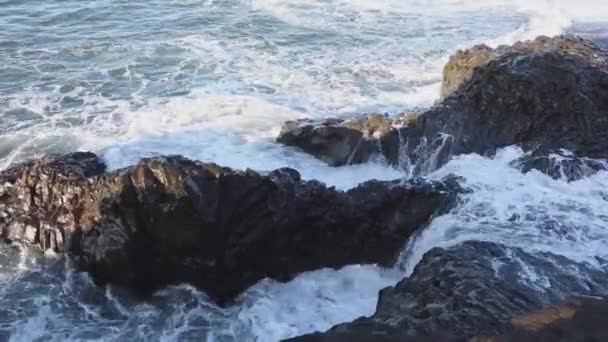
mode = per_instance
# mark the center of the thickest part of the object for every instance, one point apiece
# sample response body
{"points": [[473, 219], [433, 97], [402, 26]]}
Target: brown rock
{"points": [[170, 220]]}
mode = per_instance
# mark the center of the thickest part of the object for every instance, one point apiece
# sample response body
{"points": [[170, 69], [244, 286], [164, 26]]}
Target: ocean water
{"points": [[214, 80]]}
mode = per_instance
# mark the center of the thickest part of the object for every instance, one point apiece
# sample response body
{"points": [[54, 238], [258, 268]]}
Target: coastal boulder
{"points": [[170, 220], [580, 319], [544, 95], [473, 289], [338, 142], [462, 65]]}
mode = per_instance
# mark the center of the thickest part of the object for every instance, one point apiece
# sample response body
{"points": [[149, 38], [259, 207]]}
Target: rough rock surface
{"points": [[338, 142], [544, 95], [169, 220], [574, 320], [475, 288], [461, 67], [560, 164]]}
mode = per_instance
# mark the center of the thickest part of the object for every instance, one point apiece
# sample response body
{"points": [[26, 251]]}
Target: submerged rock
{"points": [[543, 95], [560, 164], [169, 220], [472, 289]]}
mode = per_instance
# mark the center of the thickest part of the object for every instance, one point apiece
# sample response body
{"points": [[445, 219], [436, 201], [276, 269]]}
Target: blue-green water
{"points": [[214, 80]]}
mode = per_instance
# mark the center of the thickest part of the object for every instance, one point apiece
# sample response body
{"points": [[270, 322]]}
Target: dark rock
{"points": [[363, 337], [170, 220], [343, 142], [475, 288], [560, 165], [545, 95], [337, 142], [463, 64], [574, 320]]}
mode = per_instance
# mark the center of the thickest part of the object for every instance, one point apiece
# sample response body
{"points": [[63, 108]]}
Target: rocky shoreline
{"points": [[170, 220], [547, 96]]}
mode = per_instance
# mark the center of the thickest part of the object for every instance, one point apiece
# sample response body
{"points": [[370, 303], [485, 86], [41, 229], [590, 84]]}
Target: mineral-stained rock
{"points": [[473, 289], [459, 69], [341, 142], [338, 142], [574, 320], [544, 95], [170, 220]]}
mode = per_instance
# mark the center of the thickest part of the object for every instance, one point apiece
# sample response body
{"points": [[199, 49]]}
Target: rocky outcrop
{"points": [[170, 220], [560, 164], [542, 101], [462, 65], [574, 320], [459, 69], [473, 289], [545, 95], [338, 142]]}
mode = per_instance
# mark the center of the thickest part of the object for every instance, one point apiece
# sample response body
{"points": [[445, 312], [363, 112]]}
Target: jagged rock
{"points": [[560, 165], [337, 142], [472, 289], [460, 68], [543, 95], [461, 65], [341, 142], [574, 320], [170, 220], [364, 337]]}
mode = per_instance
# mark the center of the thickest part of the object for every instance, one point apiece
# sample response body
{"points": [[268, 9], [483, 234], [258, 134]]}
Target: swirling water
{"points": [[214, 80]]}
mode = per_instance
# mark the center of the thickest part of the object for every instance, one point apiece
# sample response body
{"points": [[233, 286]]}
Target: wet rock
{"points": [[338, 142], [543, 95], [341, 142], [576, 319], [461, 67], [170, 220], [560, 165], [364, 337], [475, 288]]}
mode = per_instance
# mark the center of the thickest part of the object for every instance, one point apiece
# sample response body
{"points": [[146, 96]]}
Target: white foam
{"points": [[531, 211], [314, 301], [293, 59]]}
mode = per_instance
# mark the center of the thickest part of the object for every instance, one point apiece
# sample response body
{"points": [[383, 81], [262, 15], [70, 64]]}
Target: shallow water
{"points": [[214, 80]]}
